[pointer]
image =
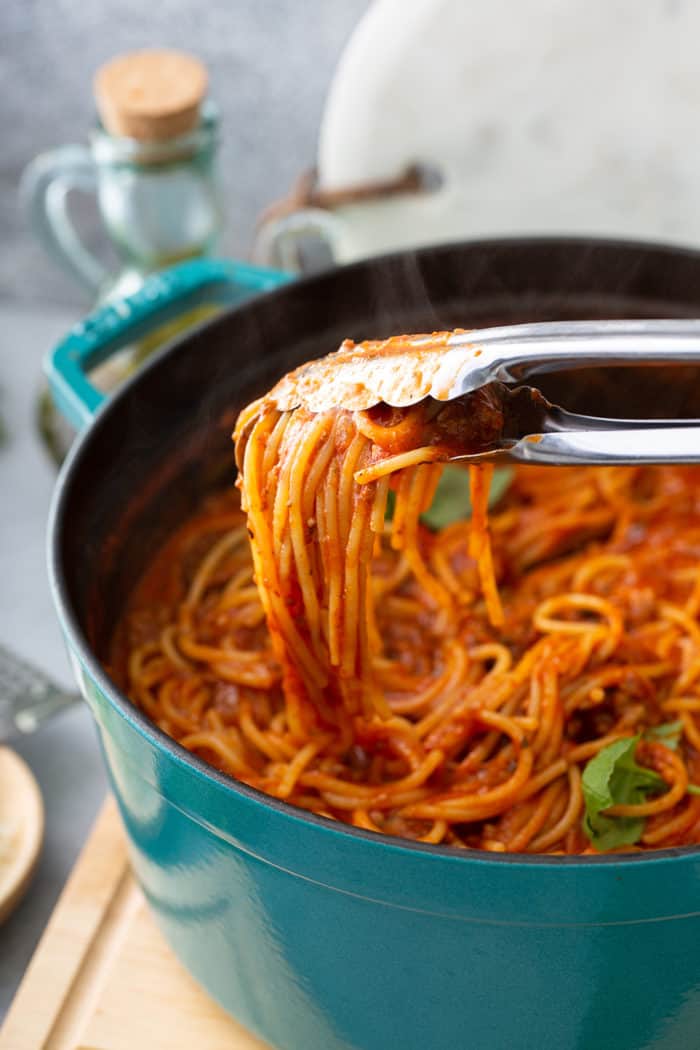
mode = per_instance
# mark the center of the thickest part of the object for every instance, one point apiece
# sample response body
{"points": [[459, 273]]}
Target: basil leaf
{"points": [[613, 777], [451, 501], [668, 734], [693, 789]]}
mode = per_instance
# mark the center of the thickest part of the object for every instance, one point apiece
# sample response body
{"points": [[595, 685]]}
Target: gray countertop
{"points": [[64, 754]]}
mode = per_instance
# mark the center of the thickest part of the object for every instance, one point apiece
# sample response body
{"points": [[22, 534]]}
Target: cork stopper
{"points": [[151, 96]]}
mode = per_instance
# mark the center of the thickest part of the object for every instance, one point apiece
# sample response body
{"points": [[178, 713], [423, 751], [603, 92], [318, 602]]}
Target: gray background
{"points": [[270, 63]]}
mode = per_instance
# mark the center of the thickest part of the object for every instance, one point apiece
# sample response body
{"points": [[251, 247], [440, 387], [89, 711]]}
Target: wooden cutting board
{"points": [[103, 978]]}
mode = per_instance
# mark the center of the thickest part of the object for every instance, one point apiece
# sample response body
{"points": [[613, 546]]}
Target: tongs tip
{"points": [[399, 371]]}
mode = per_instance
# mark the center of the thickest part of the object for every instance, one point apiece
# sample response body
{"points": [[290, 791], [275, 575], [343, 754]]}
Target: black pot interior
{"points": [[164, 443]]}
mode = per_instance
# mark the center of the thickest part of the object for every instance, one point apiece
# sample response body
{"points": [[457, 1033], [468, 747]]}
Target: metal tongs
{"points": [[444, 366]]}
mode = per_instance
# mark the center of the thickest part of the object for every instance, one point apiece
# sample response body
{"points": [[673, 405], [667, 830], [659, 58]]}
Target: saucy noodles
{"points": [[480, 685]]}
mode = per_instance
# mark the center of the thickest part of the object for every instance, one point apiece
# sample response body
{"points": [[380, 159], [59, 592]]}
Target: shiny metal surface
{"points": [[404, 372], [512, 353], [625, 445], [28, 697]]}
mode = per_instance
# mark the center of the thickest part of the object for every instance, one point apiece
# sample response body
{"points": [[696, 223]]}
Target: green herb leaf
{"points": [[451, 501], [668, 734], [693, 789], [612, 777]]}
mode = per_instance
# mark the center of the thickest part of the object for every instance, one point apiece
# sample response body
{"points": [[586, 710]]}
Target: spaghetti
{"points": [[448, 686]]}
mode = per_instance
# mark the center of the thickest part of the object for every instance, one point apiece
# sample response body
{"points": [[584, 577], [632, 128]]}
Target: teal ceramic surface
{"points": [[316, 936]]}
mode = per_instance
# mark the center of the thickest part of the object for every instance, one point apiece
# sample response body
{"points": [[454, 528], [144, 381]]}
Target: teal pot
{"points": [[317, 936]]}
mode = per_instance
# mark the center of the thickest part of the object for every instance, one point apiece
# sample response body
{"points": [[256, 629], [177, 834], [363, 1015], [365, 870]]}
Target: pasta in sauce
{"points": [[448, 686]]}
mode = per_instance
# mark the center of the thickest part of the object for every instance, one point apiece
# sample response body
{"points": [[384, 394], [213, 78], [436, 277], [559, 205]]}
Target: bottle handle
{"points": [[44, 191], [278, 239]]}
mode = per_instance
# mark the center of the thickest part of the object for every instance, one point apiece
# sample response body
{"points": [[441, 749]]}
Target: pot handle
{"points": [[162, 297]]}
